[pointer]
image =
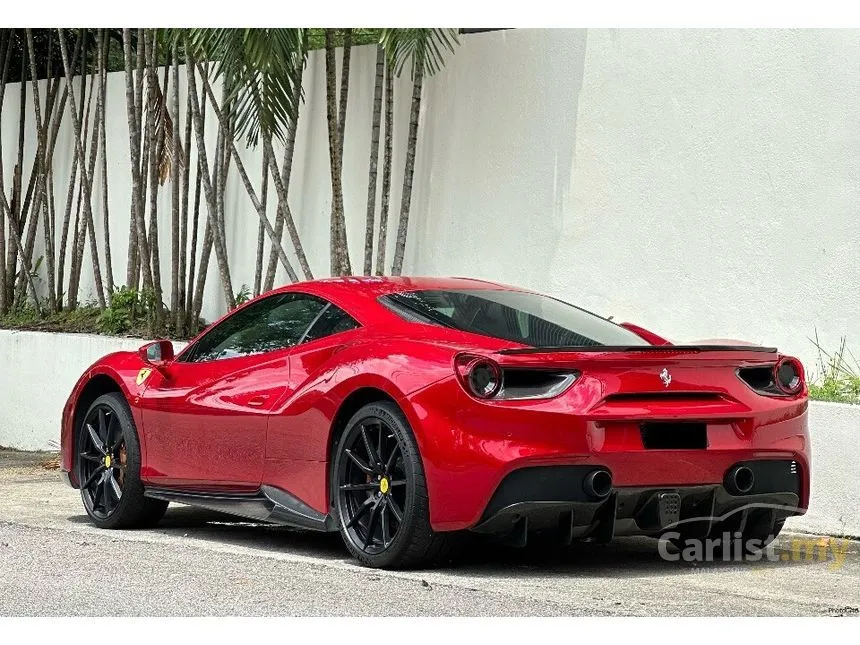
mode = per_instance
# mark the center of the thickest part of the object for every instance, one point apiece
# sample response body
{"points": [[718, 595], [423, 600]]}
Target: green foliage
{"points": [[421, 48], [316, 38], [837, 377], [128, 310], [114, 321], [260, 67], [83, 319], [243, 296]]}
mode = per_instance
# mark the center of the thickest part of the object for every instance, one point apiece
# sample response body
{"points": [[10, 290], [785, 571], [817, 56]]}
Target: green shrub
{"points": [[837, 375], [128, 310]]}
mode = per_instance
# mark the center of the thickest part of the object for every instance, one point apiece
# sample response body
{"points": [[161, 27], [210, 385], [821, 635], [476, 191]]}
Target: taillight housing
{"points": [[788, 376], [485, 379], [785, 378], [480, 376]]}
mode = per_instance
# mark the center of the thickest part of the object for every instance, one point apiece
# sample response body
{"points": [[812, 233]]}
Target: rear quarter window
{"points": [[518, 316]]}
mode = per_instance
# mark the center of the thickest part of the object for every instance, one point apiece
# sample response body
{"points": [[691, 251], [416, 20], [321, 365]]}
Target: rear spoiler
{"points": [[656, 349]]}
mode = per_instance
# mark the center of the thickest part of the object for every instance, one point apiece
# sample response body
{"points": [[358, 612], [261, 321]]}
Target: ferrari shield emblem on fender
{"points": [[144, 373], [665, 377]]}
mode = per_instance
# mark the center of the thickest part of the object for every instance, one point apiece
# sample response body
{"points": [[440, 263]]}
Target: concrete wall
{"points": [[703, 183], [38, 370]]}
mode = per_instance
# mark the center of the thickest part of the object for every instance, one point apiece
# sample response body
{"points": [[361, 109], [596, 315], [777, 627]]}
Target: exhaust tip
{"points": [[740, 480], [598, 484]]}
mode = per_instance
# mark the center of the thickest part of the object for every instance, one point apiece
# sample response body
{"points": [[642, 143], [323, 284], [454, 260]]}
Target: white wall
{"points": [[39, 370], [37, 375], [834, 505], [703, 183]]}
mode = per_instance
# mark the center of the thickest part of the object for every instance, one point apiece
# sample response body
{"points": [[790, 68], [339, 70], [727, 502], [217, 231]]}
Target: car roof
{"points": [[358, 294], [382, 285]]}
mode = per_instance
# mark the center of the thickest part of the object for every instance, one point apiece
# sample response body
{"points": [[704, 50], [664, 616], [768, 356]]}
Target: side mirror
{"points": [[157, 354]]}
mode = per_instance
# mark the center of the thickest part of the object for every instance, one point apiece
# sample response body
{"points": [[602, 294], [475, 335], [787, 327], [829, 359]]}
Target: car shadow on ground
{"points": [[475, 555]]}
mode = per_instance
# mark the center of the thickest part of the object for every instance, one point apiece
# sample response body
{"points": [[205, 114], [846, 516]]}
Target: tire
{"points": [[117, 455], [414, 543]]}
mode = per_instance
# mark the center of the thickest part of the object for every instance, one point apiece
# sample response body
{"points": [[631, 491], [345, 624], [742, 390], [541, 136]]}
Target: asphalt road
{"points": [[53, 562]]}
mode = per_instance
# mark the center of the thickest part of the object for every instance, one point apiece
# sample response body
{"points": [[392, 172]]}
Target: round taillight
{"points": [[788, 376], [485, 379], [480, 376]]}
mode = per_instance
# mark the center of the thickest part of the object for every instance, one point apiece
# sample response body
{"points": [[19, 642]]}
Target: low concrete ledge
{"points": [[39, 369], [834, 505]]}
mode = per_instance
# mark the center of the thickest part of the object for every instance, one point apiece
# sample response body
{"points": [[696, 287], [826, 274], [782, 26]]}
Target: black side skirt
{"points": [[269, 504]]}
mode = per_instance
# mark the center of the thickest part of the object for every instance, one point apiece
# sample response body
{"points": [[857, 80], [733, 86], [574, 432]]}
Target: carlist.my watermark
{"points": [[732, 547], [727, 544]]}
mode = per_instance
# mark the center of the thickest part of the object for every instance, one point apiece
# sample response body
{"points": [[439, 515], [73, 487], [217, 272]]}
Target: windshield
{"points": [[517, 316]]}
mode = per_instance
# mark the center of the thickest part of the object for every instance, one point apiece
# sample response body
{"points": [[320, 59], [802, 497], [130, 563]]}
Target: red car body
{"points": [[234, 425]]}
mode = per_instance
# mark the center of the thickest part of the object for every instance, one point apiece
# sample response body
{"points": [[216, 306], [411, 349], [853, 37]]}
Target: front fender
{"points": [[127, 373]]}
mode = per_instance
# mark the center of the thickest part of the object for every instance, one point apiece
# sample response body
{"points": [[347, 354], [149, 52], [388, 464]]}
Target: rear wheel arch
{"points": [[356, 400]]}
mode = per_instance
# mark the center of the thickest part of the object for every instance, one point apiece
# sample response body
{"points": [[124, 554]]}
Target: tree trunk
{"points": [[180, 306], [218, 242], [5, 52], [40, 167], [374, 160], [103, 51], [64, 234], [249, 187], [13, 229], [79, 233], [339, 252], [15, 215], [284, 209], [175, 297], [386, 170], [86, 174], [261, 230], [155, 102], [344, 91], [7, 212], [205, 254], [284, 213], [408, 171], [131, 95], [190, 320]]}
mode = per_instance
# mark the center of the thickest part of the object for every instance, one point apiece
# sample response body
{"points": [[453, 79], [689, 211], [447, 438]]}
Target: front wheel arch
{"points": [[97, 386]]}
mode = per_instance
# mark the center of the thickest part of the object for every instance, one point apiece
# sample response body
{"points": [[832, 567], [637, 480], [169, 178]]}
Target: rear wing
{"points": [[635, 349]]}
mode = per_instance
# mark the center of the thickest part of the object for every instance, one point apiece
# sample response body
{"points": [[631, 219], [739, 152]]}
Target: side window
{"points": [[273, 323], [331, 321]]}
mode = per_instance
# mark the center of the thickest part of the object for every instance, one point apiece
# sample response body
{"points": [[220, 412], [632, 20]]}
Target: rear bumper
{"points": [[469, 449], [557, 498]]}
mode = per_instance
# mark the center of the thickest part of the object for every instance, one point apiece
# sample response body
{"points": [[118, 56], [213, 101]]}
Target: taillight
{"points": [[483, 378], [788, 376], [480, 376]]}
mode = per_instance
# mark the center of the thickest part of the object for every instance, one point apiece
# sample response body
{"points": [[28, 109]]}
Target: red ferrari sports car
{"points": [[402, 411]]}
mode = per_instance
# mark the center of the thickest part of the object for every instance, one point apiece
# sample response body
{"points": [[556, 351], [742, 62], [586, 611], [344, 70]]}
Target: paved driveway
{"points": [[53, 562]]}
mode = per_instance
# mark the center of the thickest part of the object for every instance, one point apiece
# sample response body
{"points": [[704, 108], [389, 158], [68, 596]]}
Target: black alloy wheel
{"points": [[379, 492], [104, 461], [108, 467], [372, 486]]}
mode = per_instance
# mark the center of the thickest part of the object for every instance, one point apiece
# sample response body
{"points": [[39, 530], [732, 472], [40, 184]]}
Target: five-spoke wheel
{"points": [[103, 460], [108, 467]]}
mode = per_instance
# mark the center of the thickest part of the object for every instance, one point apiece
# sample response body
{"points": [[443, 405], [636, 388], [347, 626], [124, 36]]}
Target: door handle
{"points": [[257, 401]]}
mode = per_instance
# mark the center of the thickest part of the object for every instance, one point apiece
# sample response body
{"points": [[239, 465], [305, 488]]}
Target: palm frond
{"points": [[172, 160], [260, 67], [421, 48]]}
